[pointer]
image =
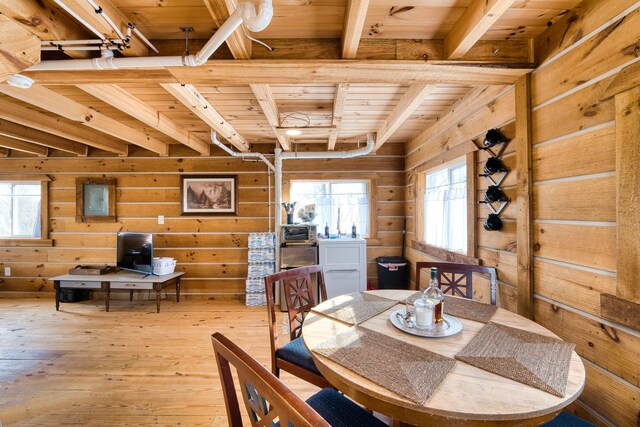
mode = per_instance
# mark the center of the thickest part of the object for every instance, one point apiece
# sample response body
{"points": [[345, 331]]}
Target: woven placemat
{"points": [[463, 307], [533, 359], [356, 308], [409, 371]]}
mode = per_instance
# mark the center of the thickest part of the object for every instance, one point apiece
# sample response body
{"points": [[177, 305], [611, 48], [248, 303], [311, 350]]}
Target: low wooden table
{"points": [[119, 281], [467, 396]]}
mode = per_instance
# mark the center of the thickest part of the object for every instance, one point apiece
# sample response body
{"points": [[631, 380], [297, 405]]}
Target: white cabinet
{"points": [[345, 265]]}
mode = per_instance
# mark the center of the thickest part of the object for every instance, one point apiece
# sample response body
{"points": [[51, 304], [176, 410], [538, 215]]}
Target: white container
{"points": [[424, 313], [164, 265]]}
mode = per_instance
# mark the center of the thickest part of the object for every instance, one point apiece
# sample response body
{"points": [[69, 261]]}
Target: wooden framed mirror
{"points": [[95, 199]]}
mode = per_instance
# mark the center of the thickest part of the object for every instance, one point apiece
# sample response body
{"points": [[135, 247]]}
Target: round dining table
{"points": [[467, 396]]}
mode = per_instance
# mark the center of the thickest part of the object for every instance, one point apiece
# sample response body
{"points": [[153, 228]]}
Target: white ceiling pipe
{"points": [[280, 156], [216, 141], [245, 13]]}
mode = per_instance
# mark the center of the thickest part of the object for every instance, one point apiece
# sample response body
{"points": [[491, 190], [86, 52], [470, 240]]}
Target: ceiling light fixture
{"points": [[293, 132], [20, 81]]}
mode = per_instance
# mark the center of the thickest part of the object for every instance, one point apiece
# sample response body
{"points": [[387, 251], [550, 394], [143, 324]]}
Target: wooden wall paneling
{"points": [[616, 43], [586, 245], [590, 199], [493, 114], [580, 110], [608, 395], [578, 23], [524, 197], [573, 286], [595, 341], [595, 148], [4, 152]]}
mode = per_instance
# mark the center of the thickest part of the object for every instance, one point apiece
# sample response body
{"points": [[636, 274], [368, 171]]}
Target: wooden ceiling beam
{"points": [[270, 109], [122, 100], [49, 100], [31, 118], [85, 11], [239, 45], [231, 72], [198, 104], [478, 17], [354, 17], [491, 51], [44, 22], [339, 100], [20, 49], [409, 102], [34, 136], [25, 147]]}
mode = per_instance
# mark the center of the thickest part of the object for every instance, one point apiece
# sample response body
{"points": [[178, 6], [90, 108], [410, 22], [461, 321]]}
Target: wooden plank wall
{"points": [[574, 199], [574, 216], [494, 249], [211, 250]]}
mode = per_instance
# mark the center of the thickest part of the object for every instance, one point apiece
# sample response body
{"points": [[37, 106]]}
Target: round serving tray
{"points": [[450, 326]]}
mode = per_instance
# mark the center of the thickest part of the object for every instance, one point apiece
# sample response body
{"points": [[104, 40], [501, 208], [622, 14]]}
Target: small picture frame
{"points": [[209, 195], [95, 199]]}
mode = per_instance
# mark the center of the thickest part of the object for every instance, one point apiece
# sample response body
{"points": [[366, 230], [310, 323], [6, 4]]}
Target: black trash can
{"points": [[393, 272]]}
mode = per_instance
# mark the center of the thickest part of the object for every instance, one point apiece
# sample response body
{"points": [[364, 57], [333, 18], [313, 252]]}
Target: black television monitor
{"points": [[135, 252]]}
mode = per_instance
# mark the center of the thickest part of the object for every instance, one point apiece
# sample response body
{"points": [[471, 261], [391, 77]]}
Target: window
{"points": [[445, 208], [348, 197], [19, 209], [24, 210]]}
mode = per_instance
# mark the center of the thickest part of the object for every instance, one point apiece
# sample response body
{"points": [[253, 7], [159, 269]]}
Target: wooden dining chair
{"points": [[293, 357], [269, 402], [457, 279]]}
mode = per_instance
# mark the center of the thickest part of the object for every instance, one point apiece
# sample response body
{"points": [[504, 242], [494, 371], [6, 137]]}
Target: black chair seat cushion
{"points": [[295, 352], [339, 411], [565, 419]]}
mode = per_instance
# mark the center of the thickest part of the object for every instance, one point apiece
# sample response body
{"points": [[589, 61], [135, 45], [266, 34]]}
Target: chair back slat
{"points": [[298, 295], [457, 279], [268, 401]]}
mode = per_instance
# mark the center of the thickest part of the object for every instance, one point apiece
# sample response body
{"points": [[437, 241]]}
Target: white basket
{"points": [[162, 266]]}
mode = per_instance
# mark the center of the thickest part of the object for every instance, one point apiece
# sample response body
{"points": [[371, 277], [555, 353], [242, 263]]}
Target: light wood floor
{"points": [[128, 367]]}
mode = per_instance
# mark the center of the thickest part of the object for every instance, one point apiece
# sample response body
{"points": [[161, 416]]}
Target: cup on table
{"points": [[424, 313]]}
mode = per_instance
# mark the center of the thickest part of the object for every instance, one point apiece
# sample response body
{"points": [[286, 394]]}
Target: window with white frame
{"points": [[347, 200], [445, 208], [20, 209]]}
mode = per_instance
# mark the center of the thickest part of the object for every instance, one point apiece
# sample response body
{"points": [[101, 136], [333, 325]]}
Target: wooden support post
{"points": [[524, 196], [628, 193], [624, 307]]}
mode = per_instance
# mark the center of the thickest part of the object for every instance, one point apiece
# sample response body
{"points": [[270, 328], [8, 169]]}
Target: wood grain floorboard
{"points": [[82, 366]]}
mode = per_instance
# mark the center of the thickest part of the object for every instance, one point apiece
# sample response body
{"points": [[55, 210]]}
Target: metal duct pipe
{"points": [[244, 14]]}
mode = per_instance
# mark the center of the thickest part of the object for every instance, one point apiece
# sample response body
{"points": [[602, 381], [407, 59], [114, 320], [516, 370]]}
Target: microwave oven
{"points": [[299, 234]]}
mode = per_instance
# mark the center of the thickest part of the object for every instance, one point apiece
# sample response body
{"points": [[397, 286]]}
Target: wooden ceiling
{"points": [[340, 69]]}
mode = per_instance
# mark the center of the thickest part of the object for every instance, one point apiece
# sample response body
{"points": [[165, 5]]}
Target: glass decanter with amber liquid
{"points": [[435, 295]]}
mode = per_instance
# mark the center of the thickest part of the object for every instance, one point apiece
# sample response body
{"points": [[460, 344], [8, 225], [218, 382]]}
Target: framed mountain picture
{"points": [[209, 194]]}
